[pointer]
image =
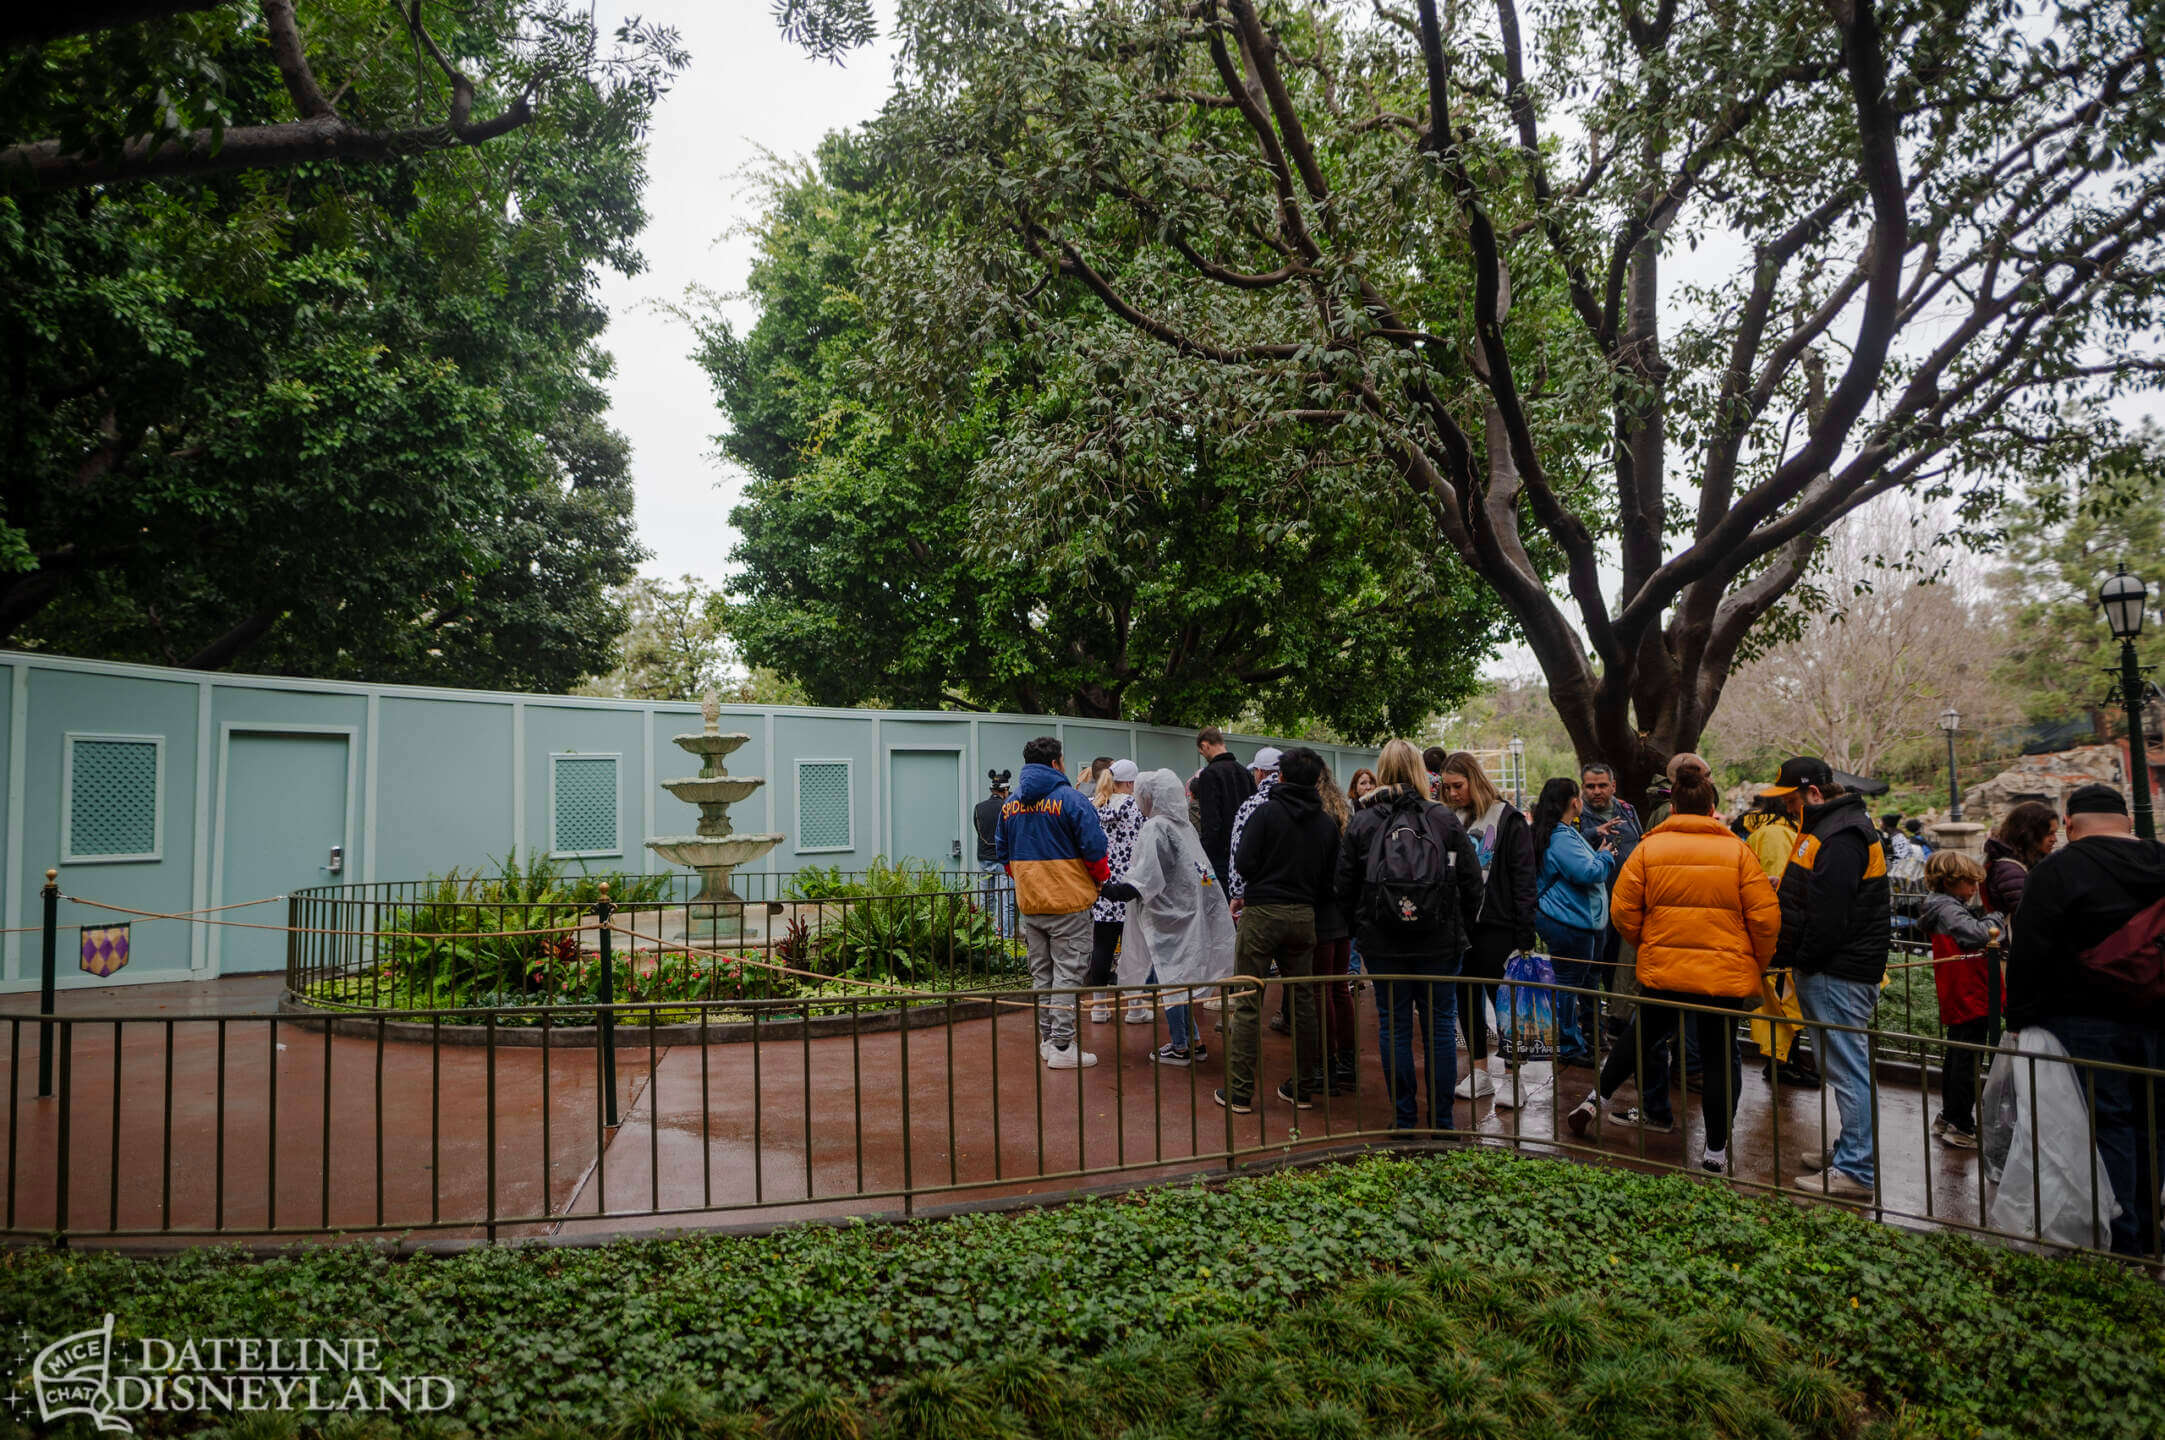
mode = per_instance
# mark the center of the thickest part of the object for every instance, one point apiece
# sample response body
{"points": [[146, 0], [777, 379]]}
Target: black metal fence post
{"points": [[1993, 954], [606, 1021], [47, 979]]}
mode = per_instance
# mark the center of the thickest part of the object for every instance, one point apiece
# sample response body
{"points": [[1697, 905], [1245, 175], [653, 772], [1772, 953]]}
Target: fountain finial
{"points": [[710, 707]]}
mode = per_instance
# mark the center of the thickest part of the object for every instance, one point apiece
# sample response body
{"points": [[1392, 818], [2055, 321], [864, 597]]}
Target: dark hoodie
{"points": [[1288, 850], [1836, 898], [2074, 898]]}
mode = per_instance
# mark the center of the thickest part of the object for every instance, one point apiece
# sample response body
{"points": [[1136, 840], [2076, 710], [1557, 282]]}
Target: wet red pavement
{"points": [[215, 1098]]}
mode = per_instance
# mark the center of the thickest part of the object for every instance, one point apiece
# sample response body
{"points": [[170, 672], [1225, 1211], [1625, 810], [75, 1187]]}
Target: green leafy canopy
{"points": [[337, 417], [1192, 562]]}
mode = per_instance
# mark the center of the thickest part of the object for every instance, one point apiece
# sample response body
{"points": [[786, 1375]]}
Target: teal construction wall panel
{"points": [[552, 730], [74, 702], [428, 752], [443, 779]]}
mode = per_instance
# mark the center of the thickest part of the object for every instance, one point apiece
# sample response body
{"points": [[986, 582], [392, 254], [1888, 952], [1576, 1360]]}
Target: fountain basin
{"points": [[713, 789], [711, 744], [701, 853]]}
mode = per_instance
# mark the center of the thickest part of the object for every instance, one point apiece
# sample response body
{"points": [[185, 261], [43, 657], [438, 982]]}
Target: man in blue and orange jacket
{"points": [[1051, 842]]}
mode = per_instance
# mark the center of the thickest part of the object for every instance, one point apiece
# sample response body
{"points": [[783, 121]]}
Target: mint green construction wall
{"points": [[443, 779]]}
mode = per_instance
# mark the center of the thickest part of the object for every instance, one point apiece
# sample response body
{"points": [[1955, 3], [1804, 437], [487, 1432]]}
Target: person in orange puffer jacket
{"points": [[1695, 902]]}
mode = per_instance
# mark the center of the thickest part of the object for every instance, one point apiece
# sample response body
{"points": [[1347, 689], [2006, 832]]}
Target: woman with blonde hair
{"points": [[1505, 925], [1409, 880]]}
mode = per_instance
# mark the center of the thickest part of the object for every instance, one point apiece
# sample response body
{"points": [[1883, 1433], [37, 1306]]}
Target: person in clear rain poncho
{"points": [[1177, 915]]}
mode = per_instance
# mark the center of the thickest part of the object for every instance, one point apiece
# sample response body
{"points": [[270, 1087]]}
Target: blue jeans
{"points": [[1179, 1019], [999, 892], [1571, 951], [1396, 1002], [2130, 1111], [1179, 1027], [1846, 1060]]}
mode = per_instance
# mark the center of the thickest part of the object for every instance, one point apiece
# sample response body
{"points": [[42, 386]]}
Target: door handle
{"points": [[338, 860], [954, 849]]}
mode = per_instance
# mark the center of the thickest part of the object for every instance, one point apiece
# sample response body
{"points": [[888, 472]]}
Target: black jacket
{"points": [[1510, 896], [1836, 898], [1289, 850], [1219, 789], [1368, 825], [2076, 897], [987, 819]]}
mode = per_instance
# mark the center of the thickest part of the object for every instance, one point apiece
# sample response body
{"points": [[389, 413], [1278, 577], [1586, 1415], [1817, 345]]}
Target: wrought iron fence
{"points": [[461, 1122], [476, 943]]}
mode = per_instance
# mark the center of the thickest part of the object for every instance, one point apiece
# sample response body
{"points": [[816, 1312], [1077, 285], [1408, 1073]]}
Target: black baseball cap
{"points": [[1800, 771], [2096, 800]]}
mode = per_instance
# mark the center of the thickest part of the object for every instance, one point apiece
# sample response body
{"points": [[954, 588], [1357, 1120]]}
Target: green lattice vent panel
{"points": [[823, 819], [112, 798], [586, 807]]}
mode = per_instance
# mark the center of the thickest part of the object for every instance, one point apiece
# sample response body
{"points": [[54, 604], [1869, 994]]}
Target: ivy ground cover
{"points": [[1472, 1293]]}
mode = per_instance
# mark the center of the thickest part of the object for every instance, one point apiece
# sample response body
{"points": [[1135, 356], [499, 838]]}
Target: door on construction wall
{"points": [[924, 807], [283, 816]]}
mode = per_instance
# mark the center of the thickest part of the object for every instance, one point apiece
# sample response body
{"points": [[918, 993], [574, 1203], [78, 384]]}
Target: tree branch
{"points": [[291, 58]]}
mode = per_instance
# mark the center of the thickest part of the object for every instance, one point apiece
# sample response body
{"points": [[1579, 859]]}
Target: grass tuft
{"points": [[1813, 1398], [819, 1410], [677, 1411], [1567, 1329], [1739, 1337], [948, 1403]]}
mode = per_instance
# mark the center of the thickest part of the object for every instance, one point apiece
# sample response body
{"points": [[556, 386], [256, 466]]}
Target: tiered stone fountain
{"points": [[717, 911]]}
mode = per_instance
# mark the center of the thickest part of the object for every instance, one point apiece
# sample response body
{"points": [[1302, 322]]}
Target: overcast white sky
{"points": [[745, 91]]}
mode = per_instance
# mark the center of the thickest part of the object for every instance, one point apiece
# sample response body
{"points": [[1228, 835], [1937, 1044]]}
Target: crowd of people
{"points": [[1649, 938]]}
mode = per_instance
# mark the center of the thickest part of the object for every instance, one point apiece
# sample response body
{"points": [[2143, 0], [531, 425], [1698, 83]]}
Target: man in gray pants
{"points": [[1053, 845]]}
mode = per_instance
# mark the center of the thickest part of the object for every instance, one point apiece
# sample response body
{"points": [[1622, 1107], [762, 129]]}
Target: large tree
{"points": [[157, 89], [1888, 650], [888, 556], [1650, 292], [347, 420], [2064, 537]]}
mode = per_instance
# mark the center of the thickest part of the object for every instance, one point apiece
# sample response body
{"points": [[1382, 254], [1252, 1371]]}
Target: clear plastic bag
{"points": [[1998, 1109], [2053, 1185]]}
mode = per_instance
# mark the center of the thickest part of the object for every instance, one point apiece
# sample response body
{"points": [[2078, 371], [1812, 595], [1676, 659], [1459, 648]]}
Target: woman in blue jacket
{"points": [[1572, 880]]}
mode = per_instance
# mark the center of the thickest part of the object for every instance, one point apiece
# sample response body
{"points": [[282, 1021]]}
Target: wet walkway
{"points": [[213, 1116]]}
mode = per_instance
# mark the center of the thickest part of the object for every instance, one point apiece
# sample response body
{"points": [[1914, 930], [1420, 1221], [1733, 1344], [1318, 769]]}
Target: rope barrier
{"points": [[176, 914], [905, 992]]}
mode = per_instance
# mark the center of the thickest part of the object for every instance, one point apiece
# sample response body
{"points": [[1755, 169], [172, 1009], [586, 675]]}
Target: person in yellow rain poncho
{"points": [[1770, 830]]}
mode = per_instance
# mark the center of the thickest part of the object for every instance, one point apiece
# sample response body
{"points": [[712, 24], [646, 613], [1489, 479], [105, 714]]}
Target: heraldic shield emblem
{"points": [[73, 1376], [105, 949]]}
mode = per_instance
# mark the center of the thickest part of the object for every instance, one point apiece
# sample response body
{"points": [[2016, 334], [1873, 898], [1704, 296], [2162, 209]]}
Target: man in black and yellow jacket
{"points": [[1836, 904]]}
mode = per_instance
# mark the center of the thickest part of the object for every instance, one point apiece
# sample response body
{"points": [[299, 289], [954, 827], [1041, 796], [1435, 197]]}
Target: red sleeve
{"points": [[1101, 869]]}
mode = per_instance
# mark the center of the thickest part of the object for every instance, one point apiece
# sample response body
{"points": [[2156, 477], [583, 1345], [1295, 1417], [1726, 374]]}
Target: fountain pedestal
{"points": [[717, 912]]}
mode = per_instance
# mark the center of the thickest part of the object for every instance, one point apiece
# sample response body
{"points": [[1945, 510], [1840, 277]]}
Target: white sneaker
{"points": [[1475, 1084], [1100, 1014], [1069, 1057], [1138, 1017], [1715, 1162]]}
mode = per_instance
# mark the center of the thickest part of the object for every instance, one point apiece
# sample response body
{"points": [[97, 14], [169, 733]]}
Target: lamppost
{"points": [[2124, 599], [1950, 720], [1518, 771]]}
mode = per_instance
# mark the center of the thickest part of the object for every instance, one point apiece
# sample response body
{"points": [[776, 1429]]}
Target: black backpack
{"points": [[1409, 877]]}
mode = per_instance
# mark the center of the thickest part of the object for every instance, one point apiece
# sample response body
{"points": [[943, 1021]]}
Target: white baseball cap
{"points": [[1266, 758], [1125, 772]]}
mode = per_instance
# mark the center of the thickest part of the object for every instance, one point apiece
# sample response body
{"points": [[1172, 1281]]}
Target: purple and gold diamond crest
{"points": [[105, 948]]}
